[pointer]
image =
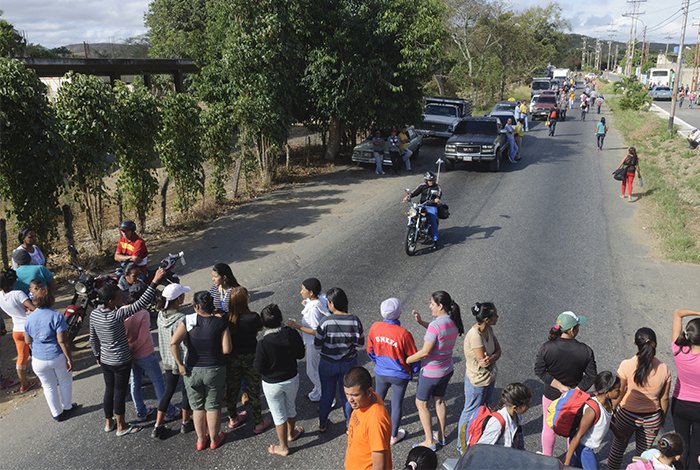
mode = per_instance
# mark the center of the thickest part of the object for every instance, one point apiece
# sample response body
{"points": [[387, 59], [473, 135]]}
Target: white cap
{"points": [[391, 308], [173, 291]]}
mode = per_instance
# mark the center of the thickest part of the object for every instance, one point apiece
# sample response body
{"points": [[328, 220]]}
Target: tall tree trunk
{"points": [[335, 130], [440, 80]]}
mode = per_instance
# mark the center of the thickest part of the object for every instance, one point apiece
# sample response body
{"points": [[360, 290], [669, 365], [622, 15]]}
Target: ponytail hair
{"points": [[515, 394], [448, 305], [483, 311], [671, 445], [645, 339], [554, 333], [690, 336]]}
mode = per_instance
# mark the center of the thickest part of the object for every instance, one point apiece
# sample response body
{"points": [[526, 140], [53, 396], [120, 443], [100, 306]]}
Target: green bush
{"points": [[634, 94]]}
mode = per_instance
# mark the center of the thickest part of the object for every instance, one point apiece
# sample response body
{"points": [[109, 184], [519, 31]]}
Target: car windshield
{"points": [[541, 85], [546, 99], [662, 88], [504, 119], [504, 107], [439, 110], [476, 127]]}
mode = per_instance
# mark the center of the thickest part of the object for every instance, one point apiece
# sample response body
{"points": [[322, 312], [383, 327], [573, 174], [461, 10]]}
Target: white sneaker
{"points": [[399, 437]]}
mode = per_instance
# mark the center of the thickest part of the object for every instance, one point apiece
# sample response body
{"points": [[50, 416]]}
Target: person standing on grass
{"points": [[388, 346], [17, 305], [685, 407], [601, 131], [437, 363], [369, 430], [631, 162], [276, 359]]}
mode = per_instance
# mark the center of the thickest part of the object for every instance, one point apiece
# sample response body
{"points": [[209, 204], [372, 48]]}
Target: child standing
{"points": [[591, 432], [515, 401]]}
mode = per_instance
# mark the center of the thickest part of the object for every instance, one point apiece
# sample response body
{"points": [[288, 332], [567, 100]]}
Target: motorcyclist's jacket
{"points": [[427, 193], [135, 247]]}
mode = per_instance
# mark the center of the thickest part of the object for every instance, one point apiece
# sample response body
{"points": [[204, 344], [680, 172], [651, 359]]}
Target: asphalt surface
{"points": [[543, 236], [691, 116]]}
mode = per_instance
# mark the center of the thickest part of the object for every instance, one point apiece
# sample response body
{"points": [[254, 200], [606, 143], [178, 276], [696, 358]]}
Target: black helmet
{"points": [[429, 176], [128, 225]]}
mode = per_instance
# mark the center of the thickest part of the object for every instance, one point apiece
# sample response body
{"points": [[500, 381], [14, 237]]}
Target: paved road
{"points": [[544, 236], [691, 116]]}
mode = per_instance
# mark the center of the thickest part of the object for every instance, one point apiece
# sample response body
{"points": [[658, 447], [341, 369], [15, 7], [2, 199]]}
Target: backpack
{"points": [[564, 414], [474, 428], [641, 464]]}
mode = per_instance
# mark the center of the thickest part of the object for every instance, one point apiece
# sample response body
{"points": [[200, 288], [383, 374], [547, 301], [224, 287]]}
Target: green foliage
{"points": [[11, 42], [178, 144], [85, 111], [136, 125], [176, 28], [218, 140], [31, 164], [634, 94]]}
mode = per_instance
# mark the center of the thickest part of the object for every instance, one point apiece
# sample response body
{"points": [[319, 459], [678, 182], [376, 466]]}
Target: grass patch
{"points": [[672, 181]]}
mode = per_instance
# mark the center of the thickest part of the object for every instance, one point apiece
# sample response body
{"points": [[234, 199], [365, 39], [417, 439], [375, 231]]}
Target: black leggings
{"points": [[686, 421], [116, 386], [171, 381]]}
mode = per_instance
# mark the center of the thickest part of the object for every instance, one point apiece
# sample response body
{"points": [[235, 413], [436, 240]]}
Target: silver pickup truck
{"points": [[440, 115]]}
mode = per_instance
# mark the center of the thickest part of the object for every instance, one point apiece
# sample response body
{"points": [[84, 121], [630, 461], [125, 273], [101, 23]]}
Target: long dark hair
{"points": [[443, 298], [632, 158], [645, 339], [338, 298], [224, 270], [7, 279], [690, 336]]}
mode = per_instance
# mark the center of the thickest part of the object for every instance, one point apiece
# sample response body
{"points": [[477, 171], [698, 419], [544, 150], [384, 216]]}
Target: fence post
{"points": [[163, 200], [3, 243], [68, 230], [237, 165]]}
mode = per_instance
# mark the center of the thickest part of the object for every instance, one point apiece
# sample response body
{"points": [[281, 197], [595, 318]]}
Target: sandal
{"points": [[129, 430], [299, 431], [216, 442], [29, 386], [262, 426], [236, 423], [112, 427]]}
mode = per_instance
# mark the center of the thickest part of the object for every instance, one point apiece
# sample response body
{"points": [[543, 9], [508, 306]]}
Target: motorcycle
{"points": [[419, 229]]}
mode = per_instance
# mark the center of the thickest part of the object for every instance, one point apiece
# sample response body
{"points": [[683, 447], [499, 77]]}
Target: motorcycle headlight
{"points": [[81, 288], [412, 212]]}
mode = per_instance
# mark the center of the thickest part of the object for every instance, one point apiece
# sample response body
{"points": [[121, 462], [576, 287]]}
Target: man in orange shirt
{"points": [[369, 433], [131, 248]]}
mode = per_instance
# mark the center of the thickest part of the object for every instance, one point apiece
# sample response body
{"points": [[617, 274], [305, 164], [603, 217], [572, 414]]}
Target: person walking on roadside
{"points": [[645, 383], [685, 406], [110, 347], [599, 102], [572, 98], [276, 357], [223, 281], [601, 130], [315, 309], [45, 332], [17, 305], [369, 430], [563, 363], [378, 146], [524, 112], [388, 346], [169, 317], [631, 162], [681, 97], [481, 351], [509, 128], [691, 99], [406, 152], [207, 337], [437, 363], [584, 109], [519, 132], [552, 119], [338, 337]]}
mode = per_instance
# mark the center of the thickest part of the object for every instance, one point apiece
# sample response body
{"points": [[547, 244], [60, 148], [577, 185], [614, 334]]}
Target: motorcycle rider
{"points": [[430, 194], [131, 248]]}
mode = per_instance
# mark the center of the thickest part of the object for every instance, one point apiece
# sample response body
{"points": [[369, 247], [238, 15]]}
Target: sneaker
{"points": [[174, 413], [187, 426], [158, 432], [399, 437], [149, 412]]}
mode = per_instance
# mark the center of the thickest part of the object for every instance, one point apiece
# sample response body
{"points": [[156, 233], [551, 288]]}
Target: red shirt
{"points": [[135, 247]]}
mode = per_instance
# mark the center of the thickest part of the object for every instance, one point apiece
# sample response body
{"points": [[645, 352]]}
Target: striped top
{"points": [[107, 333], [443, 332], [338, 337], [220, 302]]}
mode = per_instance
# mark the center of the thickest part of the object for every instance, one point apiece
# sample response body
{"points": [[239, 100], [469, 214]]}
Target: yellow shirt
{"points": [[519, 129], [403, 139], [523, 109]]}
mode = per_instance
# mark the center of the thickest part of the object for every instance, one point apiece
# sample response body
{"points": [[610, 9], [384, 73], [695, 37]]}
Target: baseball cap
{"points": [[173, 291], [391, 308], [567, 320]]}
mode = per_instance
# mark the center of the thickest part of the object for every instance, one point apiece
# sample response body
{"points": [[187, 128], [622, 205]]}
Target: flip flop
{"points": [[299, 431], [112, 427], [130, 430], [263, 426], [236, 423], [29, 386]]}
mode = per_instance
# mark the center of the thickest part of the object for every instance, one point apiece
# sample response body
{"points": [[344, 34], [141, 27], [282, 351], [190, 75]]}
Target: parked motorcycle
{"points": [[419, 229]]}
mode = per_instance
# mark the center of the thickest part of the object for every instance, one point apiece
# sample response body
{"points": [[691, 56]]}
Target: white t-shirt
{"points": [[493, 430], [12, 304], [595, 435], [314, 311], [37, 257]]}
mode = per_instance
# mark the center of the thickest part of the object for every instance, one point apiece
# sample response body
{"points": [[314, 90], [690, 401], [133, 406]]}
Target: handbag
{"points": [[547, 123], [443, 211], [620, 173]]}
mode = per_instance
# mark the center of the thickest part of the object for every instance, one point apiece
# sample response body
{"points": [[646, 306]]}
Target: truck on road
{"points": [[441, 114], [560, 73]]}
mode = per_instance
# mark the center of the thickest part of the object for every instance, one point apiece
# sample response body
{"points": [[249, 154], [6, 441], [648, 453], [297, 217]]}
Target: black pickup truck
{"points": [[477, 139]]}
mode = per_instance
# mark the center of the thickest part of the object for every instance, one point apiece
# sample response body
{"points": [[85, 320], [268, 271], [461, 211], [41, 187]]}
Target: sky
{"points": [[54, 23]]}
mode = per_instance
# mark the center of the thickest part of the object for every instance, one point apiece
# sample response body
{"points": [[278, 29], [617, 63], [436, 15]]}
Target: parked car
{"points": [[590, 76], [539, 84], [661, 93], [503, 116], [542, 106], [441, 114], [477, 139], [363, 153], [503, 106]]}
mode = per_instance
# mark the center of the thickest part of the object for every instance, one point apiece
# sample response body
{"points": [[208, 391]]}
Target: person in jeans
{"points": [[645, 383], [45, 331], [685, 406], [17, 305], [553, 118], [378, 146], [169, 316], [337, 337], [276, 357], [207, 337], [111, 348], [437, 363], [144, 358], [601, 131], [563, 363], [631, 161], [244, 326], [388, 346], [481, 351]]}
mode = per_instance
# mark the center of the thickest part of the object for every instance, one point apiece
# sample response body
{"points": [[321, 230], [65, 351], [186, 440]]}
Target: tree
{"points": [[177, 28], [11, 42], [178, 144], [85, 110], [31, 163], [137, 121], [218, 140], [634, 94]]}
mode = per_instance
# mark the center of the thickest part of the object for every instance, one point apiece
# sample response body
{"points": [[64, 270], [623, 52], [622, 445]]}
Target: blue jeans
{"points": [[379, 162], [512, 148], [398, 390], [151, 367], [474, 397], [433, 219], [331, 374], [584, 458]]}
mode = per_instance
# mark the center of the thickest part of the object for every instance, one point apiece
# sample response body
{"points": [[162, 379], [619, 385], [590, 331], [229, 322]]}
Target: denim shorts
{"points": [[432, 387], [205, 387]]}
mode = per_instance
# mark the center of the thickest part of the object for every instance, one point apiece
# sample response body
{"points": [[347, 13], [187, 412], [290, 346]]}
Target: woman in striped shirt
{"points": [[438, 367], [223, 281], [111, 348], [338, 337]]}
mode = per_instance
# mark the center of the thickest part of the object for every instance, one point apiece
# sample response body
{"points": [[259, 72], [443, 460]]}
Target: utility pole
{"points": [[611, 34], [583, 53], [667, 38], [642, 56], [597, 54], [634, 14], [680, 65], [696, 62], [617, 54]]}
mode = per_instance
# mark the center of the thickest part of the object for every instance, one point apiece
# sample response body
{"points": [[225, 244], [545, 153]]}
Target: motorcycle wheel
{"points": [[411, 241], [74, 325]]}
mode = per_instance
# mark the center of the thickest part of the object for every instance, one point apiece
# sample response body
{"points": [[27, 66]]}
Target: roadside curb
{"points": [[665, 114]]}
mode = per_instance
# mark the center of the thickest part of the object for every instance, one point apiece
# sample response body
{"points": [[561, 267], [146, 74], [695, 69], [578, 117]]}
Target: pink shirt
{"points": [[443, 333], [688, 371], [138, 333]]}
